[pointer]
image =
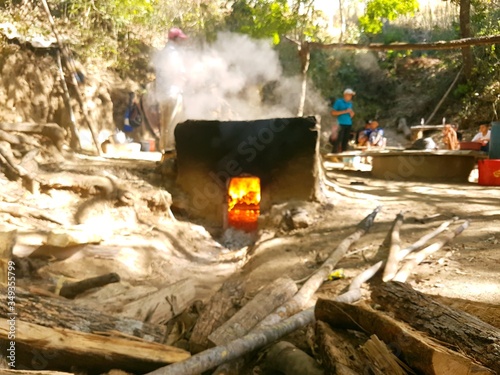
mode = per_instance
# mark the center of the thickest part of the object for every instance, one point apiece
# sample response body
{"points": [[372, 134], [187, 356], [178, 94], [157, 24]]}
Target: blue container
{"points": [[494, 152]]}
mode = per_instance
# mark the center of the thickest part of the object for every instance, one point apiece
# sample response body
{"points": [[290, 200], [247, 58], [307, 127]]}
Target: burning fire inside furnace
{"points": [[243, 203]]}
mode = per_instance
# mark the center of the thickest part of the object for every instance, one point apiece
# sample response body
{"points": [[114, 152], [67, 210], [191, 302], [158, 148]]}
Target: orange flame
{"points": [[244, 202]]}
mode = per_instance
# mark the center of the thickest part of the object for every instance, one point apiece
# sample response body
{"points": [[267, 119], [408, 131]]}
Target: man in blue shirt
{"points": [[342, 108]]}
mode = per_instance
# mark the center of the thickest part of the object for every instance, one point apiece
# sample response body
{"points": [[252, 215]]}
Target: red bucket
{"points": [[489, 172]]}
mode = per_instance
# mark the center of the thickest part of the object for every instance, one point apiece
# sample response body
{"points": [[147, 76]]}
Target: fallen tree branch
{"points": [[71, 290], [445, 96], [424, 239], [391, 265], [406, 269], [310, 287]]}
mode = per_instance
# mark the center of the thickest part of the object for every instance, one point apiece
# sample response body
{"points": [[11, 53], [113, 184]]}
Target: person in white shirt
{"points": [[483, 136]]}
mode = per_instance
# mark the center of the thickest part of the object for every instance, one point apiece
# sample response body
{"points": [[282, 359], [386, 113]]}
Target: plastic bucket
{"points": [[489, 172]]}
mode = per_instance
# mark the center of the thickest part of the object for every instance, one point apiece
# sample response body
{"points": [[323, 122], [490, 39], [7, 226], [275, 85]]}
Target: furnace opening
{"points": [[243, 203]]}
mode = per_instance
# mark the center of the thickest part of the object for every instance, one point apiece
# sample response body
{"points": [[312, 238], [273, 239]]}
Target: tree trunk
{"points": [[465, 32], [58, 312], [467, 333], [62, 348], [417, 350]]}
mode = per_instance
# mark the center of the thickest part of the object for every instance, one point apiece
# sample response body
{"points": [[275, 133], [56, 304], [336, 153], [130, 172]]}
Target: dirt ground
{"points": [[164, 251], [151, 251]]}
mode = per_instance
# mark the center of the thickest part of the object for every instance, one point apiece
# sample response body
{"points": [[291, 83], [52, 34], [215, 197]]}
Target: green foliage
{"points": [[377, 11], [275, 18]]}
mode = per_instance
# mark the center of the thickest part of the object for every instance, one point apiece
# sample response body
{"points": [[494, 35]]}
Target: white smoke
{"points": [[224, 80]]}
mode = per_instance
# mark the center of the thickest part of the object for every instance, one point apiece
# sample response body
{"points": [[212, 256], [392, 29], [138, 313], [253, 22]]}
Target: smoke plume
{"points": [[225, 80]]}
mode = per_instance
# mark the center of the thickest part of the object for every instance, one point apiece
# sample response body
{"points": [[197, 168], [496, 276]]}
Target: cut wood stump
{"points": [[418, 351], [467, 333], [95, 352], [58, 312]]}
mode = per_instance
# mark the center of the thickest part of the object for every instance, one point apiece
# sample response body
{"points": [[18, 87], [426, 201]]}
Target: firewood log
{"points": [[467, 333], [58, 312], [269, 298], [218, 310], [62, 348], [417, 350]]}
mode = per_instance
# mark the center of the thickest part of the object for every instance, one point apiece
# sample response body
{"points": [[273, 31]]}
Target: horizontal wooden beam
{"points": [[440, 45]]}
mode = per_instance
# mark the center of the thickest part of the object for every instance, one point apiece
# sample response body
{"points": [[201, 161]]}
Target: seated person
{"points": [[362, 136], [483, 136], [450, 138], [376, 137]]}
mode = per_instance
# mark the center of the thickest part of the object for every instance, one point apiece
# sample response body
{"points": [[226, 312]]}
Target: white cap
{"points": [[349, 91]]}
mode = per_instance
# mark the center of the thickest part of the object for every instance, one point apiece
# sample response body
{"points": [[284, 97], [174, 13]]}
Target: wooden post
{"points": [[73, 78], [75, 139]]}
